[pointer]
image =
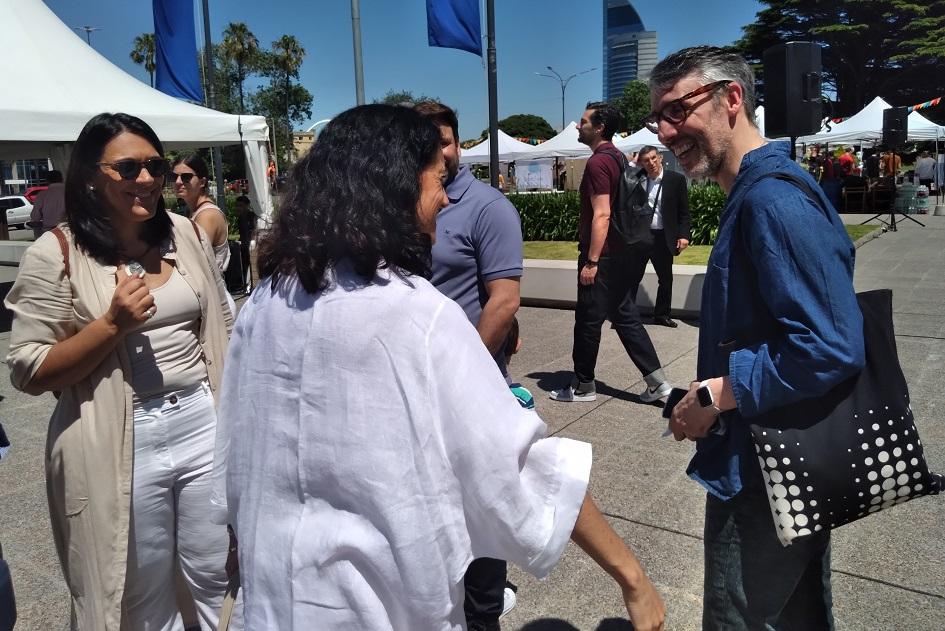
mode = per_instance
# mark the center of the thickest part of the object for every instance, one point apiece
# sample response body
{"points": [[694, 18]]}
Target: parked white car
{"points": [[17, 209]]}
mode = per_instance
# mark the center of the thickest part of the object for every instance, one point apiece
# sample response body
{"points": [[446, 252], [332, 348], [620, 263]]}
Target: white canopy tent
{"points": [[509, 149], [637, 140], [63, 82], [867, 125], [564, 145]]}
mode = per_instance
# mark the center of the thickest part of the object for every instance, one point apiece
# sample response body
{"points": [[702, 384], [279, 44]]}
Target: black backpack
{"points": [[630, 215]]}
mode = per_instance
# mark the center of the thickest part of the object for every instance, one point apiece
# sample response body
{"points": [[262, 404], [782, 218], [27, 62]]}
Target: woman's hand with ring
{"points": [[132, 303]]}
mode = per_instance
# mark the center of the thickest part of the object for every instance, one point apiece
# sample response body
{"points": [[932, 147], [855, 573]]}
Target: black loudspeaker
{"points": [[895, 127], [793, 105]]}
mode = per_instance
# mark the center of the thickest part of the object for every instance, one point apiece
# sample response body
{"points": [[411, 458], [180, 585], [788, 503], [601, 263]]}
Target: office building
{"points": [[629, 49]]}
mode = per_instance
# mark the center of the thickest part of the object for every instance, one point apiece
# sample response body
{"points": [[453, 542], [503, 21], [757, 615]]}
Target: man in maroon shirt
{"points": [[606, 284]]}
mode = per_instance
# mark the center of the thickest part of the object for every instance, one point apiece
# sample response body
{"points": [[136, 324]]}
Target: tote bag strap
{"points": [[229, 601]]}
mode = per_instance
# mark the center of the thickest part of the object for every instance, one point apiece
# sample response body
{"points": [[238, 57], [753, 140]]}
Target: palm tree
{"points": [[143, 53], [242, 48], [286, 59]]}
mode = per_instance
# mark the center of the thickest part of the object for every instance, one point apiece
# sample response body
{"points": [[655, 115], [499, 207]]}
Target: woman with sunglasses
{"points": [[122, 313], [190, 179]]}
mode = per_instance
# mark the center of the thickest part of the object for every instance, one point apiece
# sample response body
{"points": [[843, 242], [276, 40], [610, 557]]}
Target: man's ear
{"points": [[734, 98]]}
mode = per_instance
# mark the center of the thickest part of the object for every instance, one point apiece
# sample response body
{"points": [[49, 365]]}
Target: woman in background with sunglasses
{"points": [[123, 314], [190, 179]]}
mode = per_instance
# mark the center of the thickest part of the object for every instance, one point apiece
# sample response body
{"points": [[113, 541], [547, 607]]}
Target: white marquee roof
{"points": [[867, 125], [509, 149], [61, 82]]}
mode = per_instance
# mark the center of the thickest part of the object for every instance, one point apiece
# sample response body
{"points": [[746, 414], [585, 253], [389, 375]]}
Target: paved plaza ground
{"points": [[887, 569]]}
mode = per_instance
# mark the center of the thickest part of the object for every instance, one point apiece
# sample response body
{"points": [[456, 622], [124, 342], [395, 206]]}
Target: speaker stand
{"points": [[891, 224]]}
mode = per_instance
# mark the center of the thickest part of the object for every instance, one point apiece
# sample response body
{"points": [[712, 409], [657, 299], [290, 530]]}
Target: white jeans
{"points": [[174, 439]]}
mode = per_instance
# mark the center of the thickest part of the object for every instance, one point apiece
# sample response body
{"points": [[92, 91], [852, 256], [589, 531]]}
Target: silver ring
{"points": [[149, 313]]}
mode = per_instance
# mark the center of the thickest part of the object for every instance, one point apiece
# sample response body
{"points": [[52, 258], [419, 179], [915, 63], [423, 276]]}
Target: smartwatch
{"points": [[706, 399]]}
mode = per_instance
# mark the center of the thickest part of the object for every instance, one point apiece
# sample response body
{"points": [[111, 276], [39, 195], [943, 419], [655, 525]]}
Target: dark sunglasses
{"points": [[184, 177], [130, 169], [675, 112]]}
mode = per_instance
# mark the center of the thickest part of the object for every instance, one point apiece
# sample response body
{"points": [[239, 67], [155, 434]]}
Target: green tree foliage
{"points": [[283, 100], [271, 101], [888, 48], [524, 126], [240, 49], [396, 97], [634, 104], [143, 53]]}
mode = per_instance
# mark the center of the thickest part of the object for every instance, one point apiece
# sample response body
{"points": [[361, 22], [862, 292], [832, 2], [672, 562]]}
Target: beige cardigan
{"points": [[90, 443]]}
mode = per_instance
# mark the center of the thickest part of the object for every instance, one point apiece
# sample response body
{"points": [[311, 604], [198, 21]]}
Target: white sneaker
{"points": [[650, 395], [508, 601], [570, 395]]}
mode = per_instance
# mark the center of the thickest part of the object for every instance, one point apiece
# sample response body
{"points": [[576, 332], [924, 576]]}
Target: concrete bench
{"points": [[12, 251], [547, 283]]}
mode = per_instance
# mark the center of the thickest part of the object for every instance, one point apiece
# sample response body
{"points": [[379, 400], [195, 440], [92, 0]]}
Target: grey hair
{"points": [[709, 63], [646, 149]]}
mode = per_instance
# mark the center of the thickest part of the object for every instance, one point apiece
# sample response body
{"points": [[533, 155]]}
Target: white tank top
{"points": [[220, 252]]}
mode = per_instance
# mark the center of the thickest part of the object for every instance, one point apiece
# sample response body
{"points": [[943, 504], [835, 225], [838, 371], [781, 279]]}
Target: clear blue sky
{"points": [[530, 34]]}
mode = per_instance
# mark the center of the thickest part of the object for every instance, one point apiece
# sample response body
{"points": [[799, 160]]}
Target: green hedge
{"points": [[548, 216], [554, 216], [706, 201]]}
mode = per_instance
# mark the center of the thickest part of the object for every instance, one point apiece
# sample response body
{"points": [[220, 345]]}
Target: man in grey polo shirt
{"points": [[477, 262]]}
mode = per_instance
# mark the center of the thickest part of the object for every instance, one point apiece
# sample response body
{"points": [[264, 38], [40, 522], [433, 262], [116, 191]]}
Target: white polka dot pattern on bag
{"points": [[887, 469]]}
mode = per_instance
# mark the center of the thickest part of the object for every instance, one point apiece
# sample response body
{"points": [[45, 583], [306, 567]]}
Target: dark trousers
{"points": [[612, 297], [485, 589], [754, 583], [662, 259]]}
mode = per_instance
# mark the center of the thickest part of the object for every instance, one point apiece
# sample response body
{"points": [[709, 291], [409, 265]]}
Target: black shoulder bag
{"points": [[854, 451]]}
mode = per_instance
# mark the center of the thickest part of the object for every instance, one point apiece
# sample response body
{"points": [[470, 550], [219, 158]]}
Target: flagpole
{"points": [[356, 37], [493, 98], [212, 104]]}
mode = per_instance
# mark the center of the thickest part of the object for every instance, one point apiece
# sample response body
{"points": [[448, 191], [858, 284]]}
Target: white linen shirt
{"points": [[371, 450]]}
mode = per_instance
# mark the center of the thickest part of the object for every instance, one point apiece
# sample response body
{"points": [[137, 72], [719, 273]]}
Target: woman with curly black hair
{"points": [[369, 447], [122, 312]]}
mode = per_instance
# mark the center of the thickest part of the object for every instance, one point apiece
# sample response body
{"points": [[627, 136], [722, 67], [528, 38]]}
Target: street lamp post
{"points": [[88, 32], [564, 84]]}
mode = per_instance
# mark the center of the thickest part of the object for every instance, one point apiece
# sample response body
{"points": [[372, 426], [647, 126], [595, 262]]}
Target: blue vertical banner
{"points": [[175, 50], [454, 24]]}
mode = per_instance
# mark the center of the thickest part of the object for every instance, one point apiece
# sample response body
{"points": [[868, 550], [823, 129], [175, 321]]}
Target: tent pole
{"points": [[216, 152]]}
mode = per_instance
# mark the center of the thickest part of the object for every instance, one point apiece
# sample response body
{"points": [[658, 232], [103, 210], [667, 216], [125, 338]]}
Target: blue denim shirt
{"points": [[779, 313]]}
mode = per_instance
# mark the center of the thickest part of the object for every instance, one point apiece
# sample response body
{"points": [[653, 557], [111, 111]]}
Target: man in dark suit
{"points": [[668, 197]]}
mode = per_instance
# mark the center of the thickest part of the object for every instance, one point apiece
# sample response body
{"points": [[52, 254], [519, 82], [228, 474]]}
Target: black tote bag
{"points": [[854, 451]]}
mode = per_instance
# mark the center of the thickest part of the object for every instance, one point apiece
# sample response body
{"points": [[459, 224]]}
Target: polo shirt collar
{"points": [[460, 184]]}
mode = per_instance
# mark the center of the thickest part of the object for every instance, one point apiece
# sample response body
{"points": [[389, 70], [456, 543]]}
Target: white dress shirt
{"points": [[371, 450], [654, 192]]}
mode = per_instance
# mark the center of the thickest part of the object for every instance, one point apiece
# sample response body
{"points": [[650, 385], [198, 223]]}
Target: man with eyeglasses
{"points": [[608, 271], [779, 323]]}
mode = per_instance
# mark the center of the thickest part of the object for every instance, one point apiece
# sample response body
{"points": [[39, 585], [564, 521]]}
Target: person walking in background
{"points": [[607, 269], [925, 169], [668, 196], [413, 457], [50, 206], [122, 312], [246, 225], [788, 293], [477, 262]]}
